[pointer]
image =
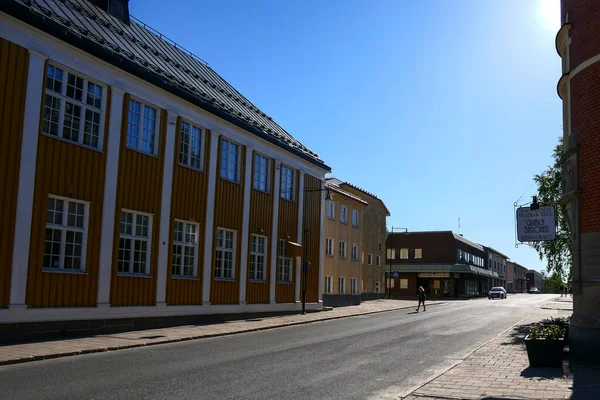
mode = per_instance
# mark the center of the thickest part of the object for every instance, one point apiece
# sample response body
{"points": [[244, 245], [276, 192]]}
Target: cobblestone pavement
{"points": [[23, 352], [500, 370]]}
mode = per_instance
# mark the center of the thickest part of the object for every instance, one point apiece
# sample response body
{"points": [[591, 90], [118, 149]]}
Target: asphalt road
{"points": [[375, 356]]}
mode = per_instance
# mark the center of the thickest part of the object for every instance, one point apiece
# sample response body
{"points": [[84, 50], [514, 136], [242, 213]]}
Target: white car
{"points": [[497, 292]]}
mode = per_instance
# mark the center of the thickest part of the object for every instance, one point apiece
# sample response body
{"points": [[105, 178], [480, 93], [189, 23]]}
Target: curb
{"points": [[195, 337]]}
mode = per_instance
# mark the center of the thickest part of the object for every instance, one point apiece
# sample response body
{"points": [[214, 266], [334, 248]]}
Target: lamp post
{"points": [[392, 258], [305, 262]]}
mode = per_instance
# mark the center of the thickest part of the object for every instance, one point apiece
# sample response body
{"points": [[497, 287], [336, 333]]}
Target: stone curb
{"points": [[195, 337]]}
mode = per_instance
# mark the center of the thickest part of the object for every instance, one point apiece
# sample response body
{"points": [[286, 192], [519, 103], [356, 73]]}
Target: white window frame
{"points": [[354, 251], [84, 106], [283, 263], [343, 214], [391, 254], [219, 272], [183, 245], [342, 252], [255, 255], [330, 209], [328, 288], [288, 183], [341, 284], [370, 259], [355, 217], [404, 254], [134, 238], [353, 286], [64, 227], [378, 261], [262, 173], [226, 161], [329, 247], [143, 106], [187, 162]]}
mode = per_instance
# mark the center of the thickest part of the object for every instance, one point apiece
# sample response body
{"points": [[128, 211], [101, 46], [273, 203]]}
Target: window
{"points": [[225, 252], [134, 243], [403, 254], [185, 248], [377, 287], [261, 173], [353, 285], [418, 253], [66, 234], [342, 249], [330, 210], [403, 283], [341, 285], [343, 214], [378, 260], [287, 183], [190, 146], [370, 259], [285, 264], [354, 217], [391, 254], [141, 127], [258, 255], [328, 284], [229, 160], [73, 107], [354, 253], [329, 247]]}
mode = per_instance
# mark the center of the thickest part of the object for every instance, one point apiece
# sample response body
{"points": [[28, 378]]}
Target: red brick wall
{"points": [[585, 29], [585, 119]]}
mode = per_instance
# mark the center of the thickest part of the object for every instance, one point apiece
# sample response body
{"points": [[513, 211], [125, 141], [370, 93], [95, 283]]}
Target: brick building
{"points": [[516, 277], [578, 44]]}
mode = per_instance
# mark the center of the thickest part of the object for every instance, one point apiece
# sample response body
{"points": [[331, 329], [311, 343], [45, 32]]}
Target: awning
{"points": [[455, 268]]}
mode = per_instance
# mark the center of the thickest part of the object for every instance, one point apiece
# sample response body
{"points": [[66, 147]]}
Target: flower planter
{"points": [[545, 352]]}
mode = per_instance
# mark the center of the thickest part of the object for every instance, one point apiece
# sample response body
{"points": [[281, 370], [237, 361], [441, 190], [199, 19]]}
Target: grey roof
{"points": [[467, 241], [139, 50], [334, 187], [497, 252]]}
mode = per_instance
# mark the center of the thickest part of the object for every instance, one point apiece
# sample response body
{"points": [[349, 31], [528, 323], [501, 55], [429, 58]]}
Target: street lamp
{"points": [[305, 262], [388, 283]]}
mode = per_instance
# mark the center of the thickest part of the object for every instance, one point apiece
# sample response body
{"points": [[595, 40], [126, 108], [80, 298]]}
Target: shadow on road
{"points": [[517, 334]]}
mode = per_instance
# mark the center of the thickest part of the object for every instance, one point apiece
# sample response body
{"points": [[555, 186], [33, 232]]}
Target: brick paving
{"points": [[24, 352], [500, 370]]}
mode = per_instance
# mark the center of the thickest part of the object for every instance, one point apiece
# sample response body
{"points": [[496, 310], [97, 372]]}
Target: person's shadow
{"points": [[413, 312]]}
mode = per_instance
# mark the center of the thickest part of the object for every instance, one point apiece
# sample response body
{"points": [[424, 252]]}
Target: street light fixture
{"points": [[388, 283], [305, 263]]}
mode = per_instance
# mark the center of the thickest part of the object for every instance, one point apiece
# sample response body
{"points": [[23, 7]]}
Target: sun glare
{"points": [[549, 14]]}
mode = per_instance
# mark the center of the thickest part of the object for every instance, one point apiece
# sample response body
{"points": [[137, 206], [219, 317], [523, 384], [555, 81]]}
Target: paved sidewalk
{"points": [[500, 370], [560, 303], [23, 352]]}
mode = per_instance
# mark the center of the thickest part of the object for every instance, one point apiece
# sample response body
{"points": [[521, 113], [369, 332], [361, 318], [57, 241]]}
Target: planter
{"points": [[545, 352]]}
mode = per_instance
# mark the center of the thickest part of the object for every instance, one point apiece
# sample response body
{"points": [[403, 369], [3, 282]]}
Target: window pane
{"points": [[177, 260], [51, 115], [71, 122], [124, 255], [52, 248]]}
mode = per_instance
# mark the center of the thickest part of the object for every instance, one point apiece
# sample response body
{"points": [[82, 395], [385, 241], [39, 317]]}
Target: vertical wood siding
{"points": [[14, 65], [188, 203], [312, 216], [72, 171], [261, 223], [139, 188], [288, 230], [229, 205]]}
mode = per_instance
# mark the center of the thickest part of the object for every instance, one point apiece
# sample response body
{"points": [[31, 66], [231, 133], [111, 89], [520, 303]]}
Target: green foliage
{"points": [[550, 192], [553, 283], [550, 329]]}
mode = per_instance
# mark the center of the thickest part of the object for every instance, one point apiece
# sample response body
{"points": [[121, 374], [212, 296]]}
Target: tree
{"points": [[550, 192], [553, 283]]}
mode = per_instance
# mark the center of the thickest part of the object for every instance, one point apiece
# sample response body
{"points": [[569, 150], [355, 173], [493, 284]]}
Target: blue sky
{"points": [[444, 109]]}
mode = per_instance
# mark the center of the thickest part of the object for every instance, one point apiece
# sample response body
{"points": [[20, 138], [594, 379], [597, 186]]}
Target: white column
{"points": [[321, 245], [110, 196], [274, 234], [245, 226], [300, 234], [165, 211], [210, 217], [20, 258]]}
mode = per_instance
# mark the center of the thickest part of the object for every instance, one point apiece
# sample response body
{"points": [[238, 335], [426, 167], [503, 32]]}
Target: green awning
{"points": [[454, 268]]}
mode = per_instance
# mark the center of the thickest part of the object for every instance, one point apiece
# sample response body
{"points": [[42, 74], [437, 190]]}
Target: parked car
{"points": [[533, 290], [497, 292]]}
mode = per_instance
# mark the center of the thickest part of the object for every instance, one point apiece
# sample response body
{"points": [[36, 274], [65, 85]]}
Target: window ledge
{"points": [[285, 283], [185, 278], [99, 150], [288, 200], [329, 255], [65, 271], [132, 275], [261, 191], [191, 168], [257, 280], [142, 152], [224, 279], [229, 180]]}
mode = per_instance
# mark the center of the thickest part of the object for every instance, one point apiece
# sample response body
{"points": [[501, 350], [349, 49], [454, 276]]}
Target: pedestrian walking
{"points": [[422, 297]]}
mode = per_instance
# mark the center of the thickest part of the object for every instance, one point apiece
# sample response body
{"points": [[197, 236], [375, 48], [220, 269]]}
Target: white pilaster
{"points": [[165, 211], [245, 226], [300, 234], [274, 233], [110, 196], [20, 258], [321, 244], [210, 217]]}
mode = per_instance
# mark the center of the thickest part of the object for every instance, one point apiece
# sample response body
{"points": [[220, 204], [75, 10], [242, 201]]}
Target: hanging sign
{"points": [[536, 225]]}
